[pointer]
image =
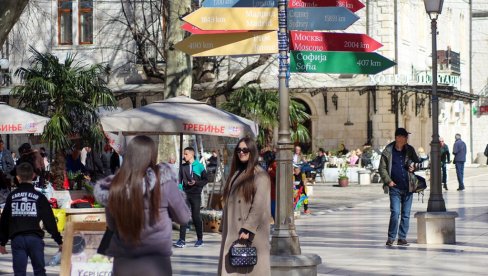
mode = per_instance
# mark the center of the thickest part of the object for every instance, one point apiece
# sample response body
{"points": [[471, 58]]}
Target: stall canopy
{"points": [[16, 121], [179, 115]]}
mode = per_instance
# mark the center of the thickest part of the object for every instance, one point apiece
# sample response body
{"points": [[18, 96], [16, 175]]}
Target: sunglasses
{"points": [[243, 150]]}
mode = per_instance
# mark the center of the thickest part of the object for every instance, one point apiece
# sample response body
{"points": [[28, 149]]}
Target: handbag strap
{"points": [[248, 243]]}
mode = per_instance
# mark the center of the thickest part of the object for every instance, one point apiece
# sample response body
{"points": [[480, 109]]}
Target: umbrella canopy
{"points": [[16, 121], [179, 115]]}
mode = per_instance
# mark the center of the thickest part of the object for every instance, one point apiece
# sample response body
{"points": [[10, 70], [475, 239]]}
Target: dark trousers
{"points": [[460, 174], [27, 246], [194, 202], [444, 172]]}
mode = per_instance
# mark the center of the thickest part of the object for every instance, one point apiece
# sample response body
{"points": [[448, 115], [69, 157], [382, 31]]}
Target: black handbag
{"points": [[243, 256], [105, 242]]}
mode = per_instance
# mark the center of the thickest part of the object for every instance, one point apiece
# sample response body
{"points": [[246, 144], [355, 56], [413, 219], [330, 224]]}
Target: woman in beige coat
{"points": [[246, 212]]}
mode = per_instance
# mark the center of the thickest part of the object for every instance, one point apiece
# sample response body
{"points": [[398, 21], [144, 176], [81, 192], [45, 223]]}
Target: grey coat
{"points": [[8, 163], [254, 217], [155, 239], [459, 151], [384, 168]]}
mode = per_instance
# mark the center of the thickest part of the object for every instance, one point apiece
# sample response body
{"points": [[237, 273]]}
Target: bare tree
{"points": [[178, 64], [10, 11]]}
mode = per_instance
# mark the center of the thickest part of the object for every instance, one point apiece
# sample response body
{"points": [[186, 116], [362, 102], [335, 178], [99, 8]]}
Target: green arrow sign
{"points": [[338, 62]]}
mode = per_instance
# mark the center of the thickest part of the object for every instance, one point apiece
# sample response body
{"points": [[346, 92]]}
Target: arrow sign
{"points": [[239, 3], [194, 30], [319, 41], [338, 62], [353, 5], [248, 43], [328, 18], [234, 18]]}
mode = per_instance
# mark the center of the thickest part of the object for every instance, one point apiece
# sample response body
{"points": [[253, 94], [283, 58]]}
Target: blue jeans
{"points": [[460, 174], [24, 246], [400, 205], [444, 172]]}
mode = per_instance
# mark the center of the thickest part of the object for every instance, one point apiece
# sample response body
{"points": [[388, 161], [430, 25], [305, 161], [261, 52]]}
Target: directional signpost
{"points": [[353, 5], [321, 41], [328, 18], [234, 19], [338, 62], [239, 3], [247, 43], [194, 30]]}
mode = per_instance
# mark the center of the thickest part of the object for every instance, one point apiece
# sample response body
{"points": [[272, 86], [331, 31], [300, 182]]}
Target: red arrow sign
{"points": [[353, 5], [320, 41], [195, 30]]}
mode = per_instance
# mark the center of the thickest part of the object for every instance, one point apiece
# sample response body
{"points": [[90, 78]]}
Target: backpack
{"points": [[421, 186]]}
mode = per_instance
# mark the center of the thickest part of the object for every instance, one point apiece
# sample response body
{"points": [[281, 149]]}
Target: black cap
{"points": [[401, 132]]}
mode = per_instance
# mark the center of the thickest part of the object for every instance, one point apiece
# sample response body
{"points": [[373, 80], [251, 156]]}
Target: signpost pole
{"points": [[285, 246]]}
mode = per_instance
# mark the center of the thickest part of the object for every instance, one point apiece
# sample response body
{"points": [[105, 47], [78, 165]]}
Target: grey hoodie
{"points": [[156, 239]]}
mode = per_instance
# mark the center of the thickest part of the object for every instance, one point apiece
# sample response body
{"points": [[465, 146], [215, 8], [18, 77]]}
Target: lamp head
{"points": [[433, 8], [4, 64]]}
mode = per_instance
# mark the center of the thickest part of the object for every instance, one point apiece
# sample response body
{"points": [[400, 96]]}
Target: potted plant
{"points": [[75, 180], [211, 220], [343, 177]]}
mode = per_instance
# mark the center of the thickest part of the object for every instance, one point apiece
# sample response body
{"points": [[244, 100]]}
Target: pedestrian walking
{"points": [[396, 170], [93, 165], [193, 178], [7, 164], [459, 152], [299, 179], [246, 213], [33, 157], [445, 159], [486, 153], [141, 201], [24, 209]]}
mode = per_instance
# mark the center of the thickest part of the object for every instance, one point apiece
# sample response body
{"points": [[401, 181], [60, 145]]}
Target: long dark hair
{"points": [[247, 186], [126, 198]]}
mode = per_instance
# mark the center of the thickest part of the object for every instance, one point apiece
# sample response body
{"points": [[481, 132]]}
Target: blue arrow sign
{"points": [[325, 18], [240, 3]]}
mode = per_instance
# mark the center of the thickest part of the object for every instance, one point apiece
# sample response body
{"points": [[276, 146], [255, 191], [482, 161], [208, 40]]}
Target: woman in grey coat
{"points": [[140, 202], [246, 214]]}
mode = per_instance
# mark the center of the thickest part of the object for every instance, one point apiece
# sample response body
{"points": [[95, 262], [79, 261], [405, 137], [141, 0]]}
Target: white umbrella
{"points": [[16, 121], [179, 115]]}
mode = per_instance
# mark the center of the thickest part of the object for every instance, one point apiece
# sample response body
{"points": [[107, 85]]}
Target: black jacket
{"points": [[196, 172], [94, 166], [24, 209]]}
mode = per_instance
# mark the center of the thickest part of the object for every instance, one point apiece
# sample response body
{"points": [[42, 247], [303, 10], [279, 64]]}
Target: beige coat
{"points": [[254, 217]]}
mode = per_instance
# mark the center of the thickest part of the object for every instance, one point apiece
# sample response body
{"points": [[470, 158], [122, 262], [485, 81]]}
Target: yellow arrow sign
{"points": [[234, 19], [249, 43]]}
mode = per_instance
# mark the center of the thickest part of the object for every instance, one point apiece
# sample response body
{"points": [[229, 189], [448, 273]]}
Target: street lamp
{"points": [[436, 201]]}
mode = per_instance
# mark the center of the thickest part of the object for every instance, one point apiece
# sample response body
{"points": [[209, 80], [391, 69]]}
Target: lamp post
{"points": [[436, 201], [286, 256]]}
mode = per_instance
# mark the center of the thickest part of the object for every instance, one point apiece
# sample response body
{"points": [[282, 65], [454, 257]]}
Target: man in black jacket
{"points": [[24, 209], [193, 178]]}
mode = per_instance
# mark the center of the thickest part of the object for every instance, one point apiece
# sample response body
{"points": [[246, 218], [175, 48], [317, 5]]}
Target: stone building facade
{"points": [[375, 104]]}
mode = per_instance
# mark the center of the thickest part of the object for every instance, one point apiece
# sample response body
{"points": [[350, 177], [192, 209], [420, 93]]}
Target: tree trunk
{"points": [[178, 64], [10, 11], [58, 167]]}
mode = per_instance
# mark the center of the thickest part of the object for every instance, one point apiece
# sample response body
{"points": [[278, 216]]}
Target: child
{"points": [[24, 209], [299, 180]]}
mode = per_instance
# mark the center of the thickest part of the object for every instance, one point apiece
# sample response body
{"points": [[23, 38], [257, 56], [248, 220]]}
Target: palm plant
{"points": [[262, 107], [68, 92]]}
